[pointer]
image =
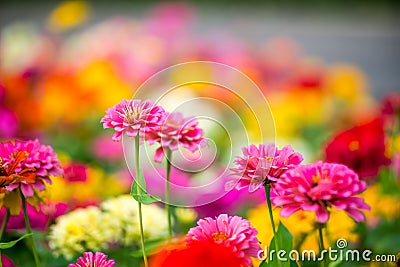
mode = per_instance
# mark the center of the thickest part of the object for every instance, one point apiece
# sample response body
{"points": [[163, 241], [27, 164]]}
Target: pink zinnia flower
{"points": [[174, 131], [317, 188], [132, 117], [232, 232], [39, 157], [93, 260], [261, 165]]}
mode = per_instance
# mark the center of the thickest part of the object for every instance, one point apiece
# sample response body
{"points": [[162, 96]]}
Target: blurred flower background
{"points": [[329, 73]]}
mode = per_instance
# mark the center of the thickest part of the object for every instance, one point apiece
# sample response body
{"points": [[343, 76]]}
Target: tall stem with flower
{"points": [[318, 187], [135, 118], [167, 192], [29, 230], [26, 167], [175, 130], [263, 166], [137, 168]]}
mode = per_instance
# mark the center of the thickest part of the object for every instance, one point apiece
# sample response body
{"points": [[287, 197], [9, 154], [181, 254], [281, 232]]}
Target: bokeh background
{"points": [[324, 66]]}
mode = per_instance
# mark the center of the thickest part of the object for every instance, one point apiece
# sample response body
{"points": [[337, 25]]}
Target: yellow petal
{"points": [[12, 202]]}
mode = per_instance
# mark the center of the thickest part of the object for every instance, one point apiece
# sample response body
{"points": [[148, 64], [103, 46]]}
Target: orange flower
{"points": [[8, 175]]}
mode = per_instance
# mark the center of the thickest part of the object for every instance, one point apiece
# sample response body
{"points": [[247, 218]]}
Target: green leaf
{"points": [[145, 198], [285, 242], [138, 191], [12, 243]]}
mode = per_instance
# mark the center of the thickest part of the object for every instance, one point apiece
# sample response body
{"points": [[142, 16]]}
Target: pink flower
{"points": [[7, 262], [75, 172], [174, 131], [318, 187], [8, 122], [93, 260], [39, 157], [132, 117], [235, 233], [261, 165]]}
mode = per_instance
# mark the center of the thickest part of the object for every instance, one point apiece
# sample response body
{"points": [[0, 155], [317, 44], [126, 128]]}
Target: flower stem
{"points": [[271, 216], [3, 229], [5, 221], [29, 229], [321, 242], [167, 191], [137, 143]]}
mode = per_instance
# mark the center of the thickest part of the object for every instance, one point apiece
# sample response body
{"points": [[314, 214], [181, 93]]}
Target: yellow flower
{"points": [[78, 231], [68, 14], [382, 206], [83, 191], [121, 220], [302, 225]]}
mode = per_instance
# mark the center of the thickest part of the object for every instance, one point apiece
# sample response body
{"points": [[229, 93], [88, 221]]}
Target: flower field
{"points": [[131, 141]]}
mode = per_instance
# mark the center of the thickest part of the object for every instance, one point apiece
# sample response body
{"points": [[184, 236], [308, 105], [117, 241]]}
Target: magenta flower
{"points": [[41, 158], [174, 131], [317, 188], [261, 165], [232, 232], [89, 259], [7, 262], [132, 117]]}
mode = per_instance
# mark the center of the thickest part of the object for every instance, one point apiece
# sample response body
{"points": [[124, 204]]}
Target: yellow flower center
{"points": [[354, 145], [219, 236]]}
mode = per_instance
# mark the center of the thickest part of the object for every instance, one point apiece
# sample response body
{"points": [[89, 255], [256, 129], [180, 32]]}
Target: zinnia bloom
{"points": [[198, 254], [93, 260], [361, 148], [132, 117], [317, 188], [233, 232], [39, 157], [261, 165], [174, 131]]}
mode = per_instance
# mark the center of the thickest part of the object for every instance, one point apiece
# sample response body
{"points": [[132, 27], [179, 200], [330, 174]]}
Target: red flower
{"points": [[362, 148], [198, 254]]}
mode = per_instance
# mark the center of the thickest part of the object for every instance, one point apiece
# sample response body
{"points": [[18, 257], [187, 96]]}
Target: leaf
{"points": [[145, 198], [285, 242], [138, 191], [12, 243]]}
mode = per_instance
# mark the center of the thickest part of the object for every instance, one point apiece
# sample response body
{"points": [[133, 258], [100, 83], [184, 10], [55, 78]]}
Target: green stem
{"points": [[167, 191], [137, 143], [29, 229], [271, 216], [321, 242], [3, 230], [5, 221]]}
